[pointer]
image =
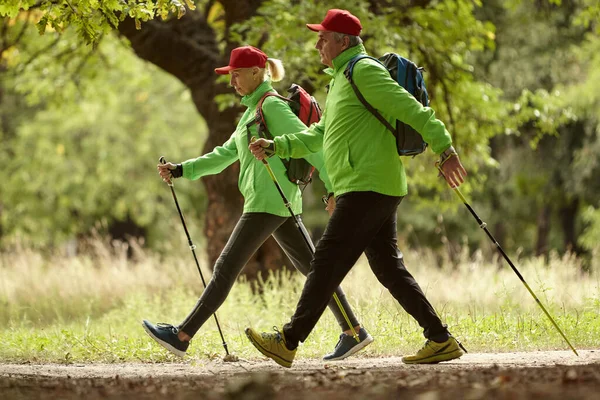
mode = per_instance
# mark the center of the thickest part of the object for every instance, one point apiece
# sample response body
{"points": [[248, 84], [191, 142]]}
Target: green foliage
{"points": [[86, 157], [537, 62], [515, 82], [93, 18], [590, 238]]}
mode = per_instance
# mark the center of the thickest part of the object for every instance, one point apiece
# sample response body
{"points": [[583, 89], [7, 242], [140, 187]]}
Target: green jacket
{"points": [[360, 153], [257, 187]]}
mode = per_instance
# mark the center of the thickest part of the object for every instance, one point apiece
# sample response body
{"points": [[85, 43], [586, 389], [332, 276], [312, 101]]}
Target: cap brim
{"points": [[316, 27], [224, 70]]}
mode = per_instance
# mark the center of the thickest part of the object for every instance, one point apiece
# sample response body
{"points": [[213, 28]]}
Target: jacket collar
{"points": [[342, 59], [251, 100]]}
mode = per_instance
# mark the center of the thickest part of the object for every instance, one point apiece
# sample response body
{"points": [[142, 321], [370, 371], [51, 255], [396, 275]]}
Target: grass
{"points": [[89, 308]]}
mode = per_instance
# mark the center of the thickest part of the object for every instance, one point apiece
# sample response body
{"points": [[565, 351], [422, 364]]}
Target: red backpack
{"points": [[308, 111]]}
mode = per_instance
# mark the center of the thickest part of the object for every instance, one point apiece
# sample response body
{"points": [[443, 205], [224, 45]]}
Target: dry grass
{"points": [[89, 307]]}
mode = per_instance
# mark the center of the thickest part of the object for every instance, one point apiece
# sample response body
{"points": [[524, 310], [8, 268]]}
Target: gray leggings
{"points": [[249, 234]]}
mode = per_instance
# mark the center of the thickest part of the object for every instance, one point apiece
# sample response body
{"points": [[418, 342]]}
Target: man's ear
{"points": [[346, 41]]}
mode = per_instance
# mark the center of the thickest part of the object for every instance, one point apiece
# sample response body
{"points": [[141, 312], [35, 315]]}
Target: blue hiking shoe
{"points": [[166, 336], [347, 345]]}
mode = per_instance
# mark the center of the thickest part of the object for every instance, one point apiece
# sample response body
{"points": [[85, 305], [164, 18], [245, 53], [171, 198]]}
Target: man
{"points": [[369, 182]]}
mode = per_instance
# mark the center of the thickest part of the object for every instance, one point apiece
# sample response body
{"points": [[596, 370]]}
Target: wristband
{"points": [[446, 154], [326, 198], [177, 172], [270, 149]]}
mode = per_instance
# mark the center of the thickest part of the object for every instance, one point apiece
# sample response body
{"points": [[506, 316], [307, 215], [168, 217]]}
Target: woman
{"points": [[264, 212]]}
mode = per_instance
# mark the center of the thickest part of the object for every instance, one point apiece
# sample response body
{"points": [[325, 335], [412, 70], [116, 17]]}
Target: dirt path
{"points": [[547, 375]]}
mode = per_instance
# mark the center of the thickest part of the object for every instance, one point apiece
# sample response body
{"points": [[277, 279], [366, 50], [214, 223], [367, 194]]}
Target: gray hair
{"points": [[354, 40]]}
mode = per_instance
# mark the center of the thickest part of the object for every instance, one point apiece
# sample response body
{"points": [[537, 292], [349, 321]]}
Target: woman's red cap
{"points": [[244, 57]]}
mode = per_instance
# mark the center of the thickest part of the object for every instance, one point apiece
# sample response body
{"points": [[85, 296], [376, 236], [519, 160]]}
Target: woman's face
{"points": [[244, 80]]}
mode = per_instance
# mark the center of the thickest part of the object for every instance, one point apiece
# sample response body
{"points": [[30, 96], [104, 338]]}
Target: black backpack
{"points": [[406, 73], [308, 111]]}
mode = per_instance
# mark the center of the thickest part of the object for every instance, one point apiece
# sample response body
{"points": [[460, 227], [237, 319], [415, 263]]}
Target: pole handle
{"points": [[163, 161], [264, 160]]}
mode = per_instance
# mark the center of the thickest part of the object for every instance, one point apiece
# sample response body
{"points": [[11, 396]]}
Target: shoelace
{"points": [[269, 336], [342, 336], [425, 345], [167, 327]]}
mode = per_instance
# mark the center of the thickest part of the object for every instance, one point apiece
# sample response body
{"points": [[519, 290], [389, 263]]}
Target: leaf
{"points": [[190, 4], [41, 25]]}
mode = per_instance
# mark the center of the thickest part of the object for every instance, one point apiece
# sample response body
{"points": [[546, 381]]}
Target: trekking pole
{"points": [[305, 236], [483, 226], [193, 248]]}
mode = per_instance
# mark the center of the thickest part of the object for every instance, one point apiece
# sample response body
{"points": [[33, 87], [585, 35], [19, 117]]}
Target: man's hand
{"points": [[329, 201], [166, 171], [330, 205], [262, 148], [453, 171]]}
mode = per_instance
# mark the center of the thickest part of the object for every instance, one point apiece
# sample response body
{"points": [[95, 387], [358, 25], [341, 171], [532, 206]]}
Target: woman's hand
{"points": [[165, 171]]}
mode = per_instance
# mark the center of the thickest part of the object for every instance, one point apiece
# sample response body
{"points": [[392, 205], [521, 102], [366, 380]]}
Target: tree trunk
{"points": [[187, 48], [499, 227], [543, 230], [568, 216]]}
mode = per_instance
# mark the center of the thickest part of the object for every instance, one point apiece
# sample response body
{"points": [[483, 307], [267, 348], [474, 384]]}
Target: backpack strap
{"points": [[348, 73], [259, 119]]}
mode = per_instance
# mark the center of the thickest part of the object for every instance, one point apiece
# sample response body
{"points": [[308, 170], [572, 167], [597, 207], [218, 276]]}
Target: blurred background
{"points": [[91, 94]]}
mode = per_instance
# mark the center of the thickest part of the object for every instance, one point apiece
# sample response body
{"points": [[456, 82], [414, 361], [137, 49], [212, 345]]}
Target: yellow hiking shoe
{"points": [[433, 352], [272, 345]]}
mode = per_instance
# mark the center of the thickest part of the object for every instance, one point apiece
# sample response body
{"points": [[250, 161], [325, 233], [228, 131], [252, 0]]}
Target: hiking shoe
{"points": [[272, 345], [166, 336], [434, 352], [347, 345]]}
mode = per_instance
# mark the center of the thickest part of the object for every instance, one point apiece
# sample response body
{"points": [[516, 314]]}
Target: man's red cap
{"points": [[244, 57], [340, 21]]}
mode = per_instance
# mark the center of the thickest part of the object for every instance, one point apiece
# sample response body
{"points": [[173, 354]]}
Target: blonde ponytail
{"points": [[275, 69]]}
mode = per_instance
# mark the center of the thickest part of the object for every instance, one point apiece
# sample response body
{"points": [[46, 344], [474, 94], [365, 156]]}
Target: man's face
{"points": [[328, 47]]}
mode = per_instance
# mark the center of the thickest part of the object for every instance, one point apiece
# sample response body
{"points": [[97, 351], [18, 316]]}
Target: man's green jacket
{"points": [[360, 153]]}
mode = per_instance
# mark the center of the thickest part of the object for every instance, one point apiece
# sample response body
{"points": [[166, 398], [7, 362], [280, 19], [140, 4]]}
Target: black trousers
{"points": [[361, 222], [249, 234]]}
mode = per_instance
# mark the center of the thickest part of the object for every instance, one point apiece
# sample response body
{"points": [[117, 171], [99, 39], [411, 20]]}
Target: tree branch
{"points": [[38, 53]]}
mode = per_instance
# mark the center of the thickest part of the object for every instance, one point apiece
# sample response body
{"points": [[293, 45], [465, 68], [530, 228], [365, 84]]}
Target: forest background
{"points": [[88, 106], [93, 92]]}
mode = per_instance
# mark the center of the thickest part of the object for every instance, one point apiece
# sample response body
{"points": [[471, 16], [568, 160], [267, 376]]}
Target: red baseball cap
{"points": [[244, 57], [340, 21]]}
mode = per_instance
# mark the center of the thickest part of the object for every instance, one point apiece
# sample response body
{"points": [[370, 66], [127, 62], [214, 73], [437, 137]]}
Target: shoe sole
{"points": [[166, 345], [274, 357], [436, 358], [368, 340]]}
